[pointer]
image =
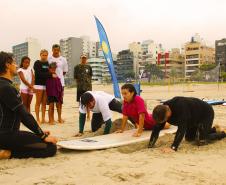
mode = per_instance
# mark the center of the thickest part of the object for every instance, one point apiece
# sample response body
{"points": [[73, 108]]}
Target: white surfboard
{"points": [[110, 140]]}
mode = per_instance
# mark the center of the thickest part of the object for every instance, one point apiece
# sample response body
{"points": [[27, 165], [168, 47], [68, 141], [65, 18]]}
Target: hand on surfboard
{"points": [[137, 133]]}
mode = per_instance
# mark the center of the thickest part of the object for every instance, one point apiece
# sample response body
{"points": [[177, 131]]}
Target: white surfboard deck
{"points": [[110, 140]]}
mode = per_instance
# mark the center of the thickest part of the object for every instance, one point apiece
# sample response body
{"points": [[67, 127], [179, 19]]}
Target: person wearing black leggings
{"points": [[13, 142], [192, 116]]}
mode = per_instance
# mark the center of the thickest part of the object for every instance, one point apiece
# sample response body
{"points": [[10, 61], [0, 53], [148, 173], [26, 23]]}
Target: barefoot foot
{"points": [[5, 154]]}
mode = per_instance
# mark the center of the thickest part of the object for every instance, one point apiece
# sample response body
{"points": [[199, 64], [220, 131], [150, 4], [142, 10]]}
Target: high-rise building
{"points": [[220, 46], [144, 53], [135, 47], [172, 63], [150, 51], [138, 64], [197, 54], [92, 50], [125, 61], [85, 45], [145, 46], [30, 48], [100, 70], [71, 49], [89, 47]]}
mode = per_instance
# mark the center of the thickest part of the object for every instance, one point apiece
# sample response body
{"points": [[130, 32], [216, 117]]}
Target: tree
{"points": [[129, 74], [223, 76], [154, 71], [207, 67], [197, 75], [206, 72], [173, 74]]}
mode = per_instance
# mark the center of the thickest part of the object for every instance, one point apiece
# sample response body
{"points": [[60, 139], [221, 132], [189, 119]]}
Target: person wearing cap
{"points": [[83, 76]]}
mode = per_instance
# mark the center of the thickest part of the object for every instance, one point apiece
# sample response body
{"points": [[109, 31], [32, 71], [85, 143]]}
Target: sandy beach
{"points": [[128, 165]]}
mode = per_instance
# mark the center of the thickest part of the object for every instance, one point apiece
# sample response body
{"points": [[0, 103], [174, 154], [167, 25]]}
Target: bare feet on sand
{"points": [[5, 154], [43, 121], [220, 128], [51, 122], [78, 134], [60, 121]]}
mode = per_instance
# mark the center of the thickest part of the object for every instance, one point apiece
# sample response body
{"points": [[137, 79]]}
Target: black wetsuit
{"points": [[194, 119], [22, 144]]}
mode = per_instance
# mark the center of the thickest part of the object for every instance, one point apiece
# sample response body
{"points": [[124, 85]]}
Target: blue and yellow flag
{"points": [[108, 56]]}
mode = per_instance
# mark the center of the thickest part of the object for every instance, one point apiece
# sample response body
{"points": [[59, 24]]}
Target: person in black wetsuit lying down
{"points": [[192, 116], [13, 142]]}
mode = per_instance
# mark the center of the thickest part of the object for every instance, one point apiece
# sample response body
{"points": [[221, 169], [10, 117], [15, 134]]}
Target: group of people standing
{"points": [[46, 81]]}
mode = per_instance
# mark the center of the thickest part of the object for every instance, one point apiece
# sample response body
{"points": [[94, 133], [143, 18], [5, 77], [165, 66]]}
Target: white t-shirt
{"points": [[102, 101], [62, 67], [27, 75]]}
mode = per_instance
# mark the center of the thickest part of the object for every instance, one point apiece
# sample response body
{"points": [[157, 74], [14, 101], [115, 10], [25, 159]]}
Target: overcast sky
{"points": [[170, 22]]}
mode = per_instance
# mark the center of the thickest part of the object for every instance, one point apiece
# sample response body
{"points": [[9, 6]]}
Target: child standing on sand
{"points": [[54, 91], [26, 82]]}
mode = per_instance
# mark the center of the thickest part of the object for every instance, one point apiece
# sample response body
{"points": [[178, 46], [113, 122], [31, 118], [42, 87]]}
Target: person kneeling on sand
{"points": [[13, 142], [134, 107], [101, 104], [192, 116]]}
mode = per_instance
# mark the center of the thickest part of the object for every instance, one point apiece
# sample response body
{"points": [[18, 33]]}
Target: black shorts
{"points": [[52, 99]]}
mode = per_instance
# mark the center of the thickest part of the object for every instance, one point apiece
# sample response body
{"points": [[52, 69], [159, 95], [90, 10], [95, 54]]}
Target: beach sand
{"points": [[132, 164]]}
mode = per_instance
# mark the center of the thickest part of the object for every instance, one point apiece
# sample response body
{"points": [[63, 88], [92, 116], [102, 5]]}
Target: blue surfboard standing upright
{"points": [[108, 56]]}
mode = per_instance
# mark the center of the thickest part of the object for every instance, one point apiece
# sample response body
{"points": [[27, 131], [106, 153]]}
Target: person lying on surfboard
{"points": [[192, 116], [101, 104], [134, 107]]}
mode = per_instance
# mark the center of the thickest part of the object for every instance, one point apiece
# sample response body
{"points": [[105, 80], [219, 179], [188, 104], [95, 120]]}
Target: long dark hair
{"points": [[23, 59], [130, 88]]}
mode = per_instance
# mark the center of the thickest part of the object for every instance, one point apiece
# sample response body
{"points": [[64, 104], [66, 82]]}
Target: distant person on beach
{"points": [[54, 91], [101, 104], [83, 76], [192, 116], [13, 142], [134, 107], [41, 68], [26, 82], [62, 66]]}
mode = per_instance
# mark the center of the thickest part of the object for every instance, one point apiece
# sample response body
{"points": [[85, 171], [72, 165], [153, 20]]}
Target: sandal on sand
{"points": [[5, 154]]}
